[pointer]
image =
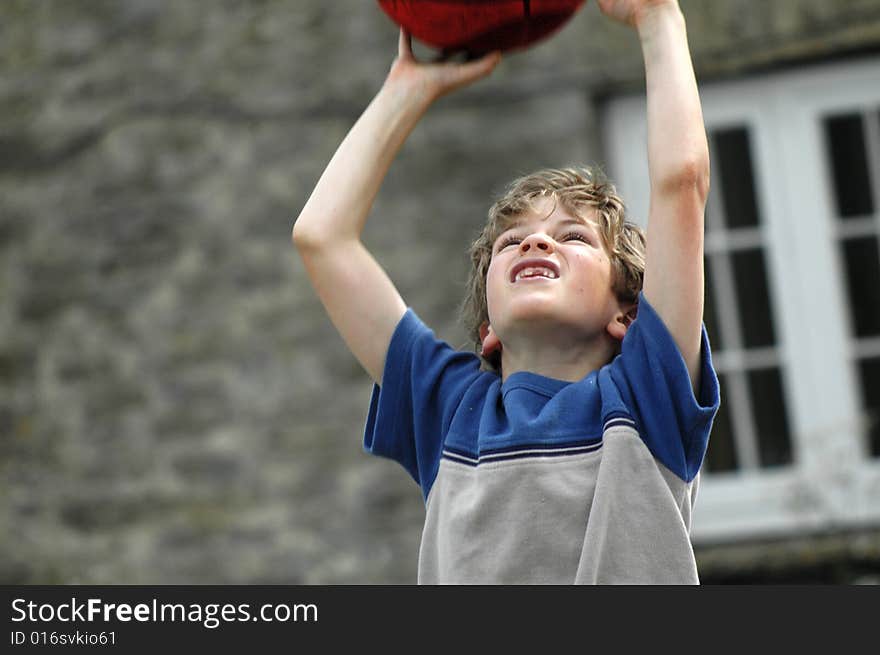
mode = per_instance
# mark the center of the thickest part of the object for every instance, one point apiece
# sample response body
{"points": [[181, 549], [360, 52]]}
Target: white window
{"points": [[792, 295]]}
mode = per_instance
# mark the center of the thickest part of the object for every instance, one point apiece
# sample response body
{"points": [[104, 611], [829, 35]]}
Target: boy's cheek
{"points": [[494, 289]]}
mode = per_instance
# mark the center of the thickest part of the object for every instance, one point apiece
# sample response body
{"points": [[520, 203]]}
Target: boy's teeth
{"points": [[536, 271]]}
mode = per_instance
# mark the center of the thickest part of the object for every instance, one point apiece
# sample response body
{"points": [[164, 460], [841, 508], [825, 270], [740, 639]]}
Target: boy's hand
{"points": [[630, 12], [433, 80]]}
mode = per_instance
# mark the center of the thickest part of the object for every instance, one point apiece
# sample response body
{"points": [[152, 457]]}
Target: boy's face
{"points": [[550, 269]]}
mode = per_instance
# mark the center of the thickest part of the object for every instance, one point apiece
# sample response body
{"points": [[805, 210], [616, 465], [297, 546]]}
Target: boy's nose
{"points": [[537, 241]]}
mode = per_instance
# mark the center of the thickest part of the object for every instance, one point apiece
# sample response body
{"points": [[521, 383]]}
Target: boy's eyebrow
{"points": [[581, 222], [575, 220]]}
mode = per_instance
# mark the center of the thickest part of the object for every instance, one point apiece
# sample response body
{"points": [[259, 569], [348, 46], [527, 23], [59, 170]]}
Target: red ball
{"points": [[480, 26]]}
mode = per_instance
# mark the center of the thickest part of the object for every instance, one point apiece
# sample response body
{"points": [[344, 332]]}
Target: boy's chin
{"points": [[541, 319], [545, 310]]}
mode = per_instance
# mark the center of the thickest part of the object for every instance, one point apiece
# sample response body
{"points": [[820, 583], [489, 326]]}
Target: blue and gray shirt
{"points": [[537, 480]]}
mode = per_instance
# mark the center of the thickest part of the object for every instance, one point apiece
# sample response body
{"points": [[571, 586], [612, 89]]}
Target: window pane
{"points": [[863, 284], [771, 417], [721, 455], [753, 299], [734, 158], [710, 318], [845, 136], [869, 371]]}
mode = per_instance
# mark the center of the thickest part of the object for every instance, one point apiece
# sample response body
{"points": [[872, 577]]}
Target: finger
{"points": [[404, 45]]}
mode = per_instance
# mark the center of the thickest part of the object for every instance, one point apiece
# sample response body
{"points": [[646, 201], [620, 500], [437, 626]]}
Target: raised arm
{"points": [[360, 299], [678, 163]]}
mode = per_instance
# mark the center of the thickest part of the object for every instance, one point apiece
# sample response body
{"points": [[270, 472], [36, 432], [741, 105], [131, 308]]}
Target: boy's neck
{"points": [[571, 363]]}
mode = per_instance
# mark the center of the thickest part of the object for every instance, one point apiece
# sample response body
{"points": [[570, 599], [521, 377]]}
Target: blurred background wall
{"points": [[174, 405]]}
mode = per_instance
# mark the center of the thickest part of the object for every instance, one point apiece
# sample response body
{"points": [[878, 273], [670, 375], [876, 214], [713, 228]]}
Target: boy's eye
{"points": [[508, 241], [575, 236]]}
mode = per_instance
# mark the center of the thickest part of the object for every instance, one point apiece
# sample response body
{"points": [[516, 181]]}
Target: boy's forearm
{"points": [[341, 201], [677, 148]]}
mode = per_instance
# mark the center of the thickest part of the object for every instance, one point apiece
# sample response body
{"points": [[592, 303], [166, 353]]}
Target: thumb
{"points": [[482, 66], [474, 70]]}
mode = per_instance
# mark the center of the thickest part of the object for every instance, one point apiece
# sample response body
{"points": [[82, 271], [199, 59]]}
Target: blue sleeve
{"points": [[423, 382], [653, 379]]}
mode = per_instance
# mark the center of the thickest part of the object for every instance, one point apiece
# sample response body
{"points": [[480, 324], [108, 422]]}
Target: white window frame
{"points": [[832, 483], [736, 361]]}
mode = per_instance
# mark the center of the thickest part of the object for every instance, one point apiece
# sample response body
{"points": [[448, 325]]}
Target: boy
{"points": [[569, 462]]}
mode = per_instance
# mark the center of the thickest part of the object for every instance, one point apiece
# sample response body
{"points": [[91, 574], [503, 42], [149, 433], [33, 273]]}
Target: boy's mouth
{"points": [[528, 269]]}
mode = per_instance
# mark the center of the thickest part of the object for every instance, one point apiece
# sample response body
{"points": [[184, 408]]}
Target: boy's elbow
{"points": [[298, 236], [304, 238], [689, 177]]}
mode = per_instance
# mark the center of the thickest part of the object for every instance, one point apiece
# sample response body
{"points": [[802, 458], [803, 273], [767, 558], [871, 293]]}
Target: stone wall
{"points": [[174, 405]]}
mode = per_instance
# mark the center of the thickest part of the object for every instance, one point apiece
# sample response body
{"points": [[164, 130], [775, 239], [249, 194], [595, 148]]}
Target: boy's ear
{"points": [[622, 320], [489, 339]]}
